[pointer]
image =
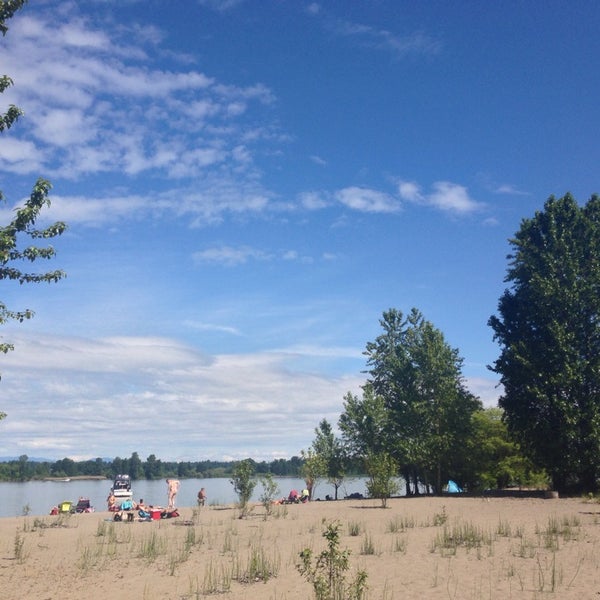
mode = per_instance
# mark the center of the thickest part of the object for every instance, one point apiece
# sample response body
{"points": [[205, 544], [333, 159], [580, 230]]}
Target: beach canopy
{"points": [[453, 487]]}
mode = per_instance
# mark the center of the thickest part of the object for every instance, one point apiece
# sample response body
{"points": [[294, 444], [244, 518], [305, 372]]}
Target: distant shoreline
{"points": [[75, 478]]}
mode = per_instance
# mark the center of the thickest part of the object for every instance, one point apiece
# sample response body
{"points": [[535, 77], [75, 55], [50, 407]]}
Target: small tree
{"points": [[270, 491], [331, 451], [313, 469], [243, 483], [382, 483], [328, 573]]}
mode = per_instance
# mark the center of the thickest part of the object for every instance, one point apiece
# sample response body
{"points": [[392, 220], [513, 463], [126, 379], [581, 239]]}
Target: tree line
{"points": [[24, 469], [417, 418]]}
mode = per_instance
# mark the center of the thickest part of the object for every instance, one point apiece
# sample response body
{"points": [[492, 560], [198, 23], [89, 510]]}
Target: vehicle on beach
{"points": [[121, 488]]}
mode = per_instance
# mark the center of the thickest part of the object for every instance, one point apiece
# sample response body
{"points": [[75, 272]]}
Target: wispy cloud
{"points": [[232, 257], [399, 45], [153, 386], [74, 127], [383, 39], [199, 326], [318, 160], [508, 189], [367, 200], [229, 256], [220, 5], [314, 200]]}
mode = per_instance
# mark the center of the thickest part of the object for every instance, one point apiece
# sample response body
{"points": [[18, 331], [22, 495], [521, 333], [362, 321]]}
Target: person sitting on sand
{"points": [[305, 495], [112, 502], [201, 497], [142, 509], [128, 507]]}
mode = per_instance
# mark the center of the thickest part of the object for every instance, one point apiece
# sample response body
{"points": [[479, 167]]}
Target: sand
{"points": [[463, 548]]}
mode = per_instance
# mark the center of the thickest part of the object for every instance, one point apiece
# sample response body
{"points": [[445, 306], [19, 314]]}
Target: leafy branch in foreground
{"points": [[23, 224]]}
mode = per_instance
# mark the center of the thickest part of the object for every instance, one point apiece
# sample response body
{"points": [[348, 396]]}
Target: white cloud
{"points": [[19, 156], [410, 191], [452, 198], [446, 196], [367, 200]]}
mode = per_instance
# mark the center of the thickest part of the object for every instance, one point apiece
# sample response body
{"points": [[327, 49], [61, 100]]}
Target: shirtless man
{"points": [[173, 488], [201, 497]]}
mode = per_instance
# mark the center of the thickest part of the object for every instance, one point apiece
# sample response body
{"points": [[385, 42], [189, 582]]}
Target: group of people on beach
{"points": [[173, 486]]}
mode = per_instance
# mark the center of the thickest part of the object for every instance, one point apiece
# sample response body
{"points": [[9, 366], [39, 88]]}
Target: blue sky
{"points": [[249, 185]]}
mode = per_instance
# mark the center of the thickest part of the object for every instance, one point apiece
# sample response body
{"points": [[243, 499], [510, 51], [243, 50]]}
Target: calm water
{"points": [[41, 496]]}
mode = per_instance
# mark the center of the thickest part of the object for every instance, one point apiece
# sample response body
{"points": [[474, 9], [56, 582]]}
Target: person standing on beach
{"points": [[172, 489], [201, 497]]}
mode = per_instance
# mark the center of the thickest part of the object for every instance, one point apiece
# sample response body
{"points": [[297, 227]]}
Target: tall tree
{"points": [[419, 377], [313, 469], [22, 227], [548, 329]]}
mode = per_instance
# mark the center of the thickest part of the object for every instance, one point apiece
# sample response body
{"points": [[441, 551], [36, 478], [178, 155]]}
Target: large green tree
{"points": [[419, 377], [15, 248], [548, 329]]}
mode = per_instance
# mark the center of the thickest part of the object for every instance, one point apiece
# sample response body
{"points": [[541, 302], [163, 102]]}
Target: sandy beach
{"points": [[463, 548]]}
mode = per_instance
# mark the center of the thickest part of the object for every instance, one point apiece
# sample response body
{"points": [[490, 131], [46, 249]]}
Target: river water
{"points": [[38, 497]]}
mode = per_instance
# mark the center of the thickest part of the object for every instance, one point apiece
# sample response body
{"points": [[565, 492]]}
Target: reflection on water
{"points": [[38, 497]]}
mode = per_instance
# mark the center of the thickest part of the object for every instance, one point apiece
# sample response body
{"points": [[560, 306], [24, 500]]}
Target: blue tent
{"points": [[453, 487]]}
